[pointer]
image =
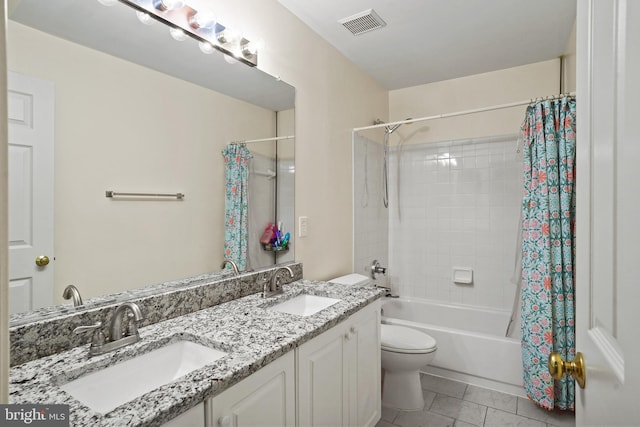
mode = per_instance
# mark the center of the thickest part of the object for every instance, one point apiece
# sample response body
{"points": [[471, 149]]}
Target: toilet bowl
{"points": [[404, 351]]}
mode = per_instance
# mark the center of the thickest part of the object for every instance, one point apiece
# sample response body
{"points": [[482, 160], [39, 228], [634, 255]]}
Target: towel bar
{"points": [[112, 194]]}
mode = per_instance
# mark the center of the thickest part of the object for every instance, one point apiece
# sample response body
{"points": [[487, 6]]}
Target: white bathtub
{"points": [[471, 342]]}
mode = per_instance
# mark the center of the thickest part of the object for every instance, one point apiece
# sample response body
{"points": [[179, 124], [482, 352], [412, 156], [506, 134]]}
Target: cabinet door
{"points": [[322, 386], [264, 399], [364, 367], [194, 417]]}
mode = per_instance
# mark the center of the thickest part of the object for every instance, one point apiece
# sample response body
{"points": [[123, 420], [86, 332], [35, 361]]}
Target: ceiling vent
{"points": [[363, 22]]}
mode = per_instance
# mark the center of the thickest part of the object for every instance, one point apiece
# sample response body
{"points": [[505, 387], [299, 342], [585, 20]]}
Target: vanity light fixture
{"points": [[206, 47], [227, 36], [178, 34], [249, 48], [231, 59], [202, 20], [166, 5], [185, 21], [144, 17]]}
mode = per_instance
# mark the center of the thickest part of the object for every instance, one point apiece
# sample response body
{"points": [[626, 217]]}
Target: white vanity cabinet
{"points": [[339, 373], [265, 398], [193, 417], [331, 380]]}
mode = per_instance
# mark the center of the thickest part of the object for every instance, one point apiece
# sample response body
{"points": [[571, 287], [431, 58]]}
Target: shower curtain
{"points": [[548, 248], [236, 159]]}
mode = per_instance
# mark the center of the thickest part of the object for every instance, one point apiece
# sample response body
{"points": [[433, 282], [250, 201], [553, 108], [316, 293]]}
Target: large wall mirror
{"points": [[132, 110]]}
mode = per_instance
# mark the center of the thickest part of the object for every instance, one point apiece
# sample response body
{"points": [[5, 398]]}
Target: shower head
{"points": [[391, 129]]}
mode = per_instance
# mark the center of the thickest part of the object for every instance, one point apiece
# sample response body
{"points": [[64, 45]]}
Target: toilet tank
{"points": [[353, 279]]}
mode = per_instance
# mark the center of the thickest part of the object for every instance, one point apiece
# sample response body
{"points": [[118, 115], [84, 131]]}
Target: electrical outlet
{"points": [[303, 225]]}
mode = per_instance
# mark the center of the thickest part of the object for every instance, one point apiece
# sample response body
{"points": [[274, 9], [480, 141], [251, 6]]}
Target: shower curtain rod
{"points": [[458, 113], [275, 138]]}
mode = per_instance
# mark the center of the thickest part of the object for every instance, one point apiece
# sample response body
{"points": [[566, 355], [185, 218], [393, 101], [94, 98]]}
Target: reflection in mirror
{"points": [[129, 109], [271, 177]]}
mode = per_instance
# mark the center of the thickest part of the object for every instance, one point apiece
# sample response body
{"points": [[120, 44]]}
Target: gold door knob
{"points": [[576, 368], [42, 260]]}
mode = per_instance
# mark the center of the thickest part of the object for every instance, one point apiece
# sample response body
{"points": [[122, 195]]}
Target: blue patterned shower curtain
{"points": [[236, 206], [548, 248]]}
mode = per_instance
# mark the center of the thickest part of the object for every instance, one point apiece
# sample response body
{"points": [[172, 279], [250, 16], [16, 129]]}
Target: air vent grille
{"points": [[363, 22]]}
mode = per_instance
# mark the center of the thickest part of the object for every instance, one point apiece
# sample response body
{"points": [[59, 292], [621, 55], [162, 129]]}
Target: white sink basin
{"points": [[108, 388], [304, 305]]}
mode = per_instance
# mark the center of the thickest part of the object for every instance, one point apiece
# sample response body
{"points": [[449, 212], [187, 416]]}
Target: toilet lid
{"points": [[401, 339]]}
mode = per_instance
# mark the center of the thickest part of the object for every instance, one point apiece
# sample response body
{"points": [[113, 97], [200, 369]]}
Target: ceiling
{"points": [[432, 40]]}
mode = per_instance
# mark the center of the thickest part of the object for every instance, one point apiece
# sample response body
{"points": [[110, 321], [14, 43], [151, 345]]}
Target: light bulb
{"points": [[227, 36], [202, 20], [230, 59], [166, 5], [145, 18], [177, 34], [108, 2], [249, 49], [206, 47]]}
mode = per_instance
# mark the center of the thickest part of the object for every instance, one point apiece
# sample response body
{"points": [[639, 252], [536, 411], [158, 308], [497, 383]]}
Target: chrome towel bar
{"points": [[112, 194]]}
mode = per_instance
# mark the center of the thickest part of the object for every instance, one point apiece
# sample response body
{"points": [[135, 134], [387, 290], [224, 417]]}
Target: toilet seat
{"points": [[402, 339]]}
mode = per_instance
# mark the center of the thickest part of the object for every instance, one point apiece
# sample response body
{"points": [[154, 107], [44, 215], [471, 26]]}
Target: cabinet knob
{"points": [[347, 336], [353, 329], [224, 421]]}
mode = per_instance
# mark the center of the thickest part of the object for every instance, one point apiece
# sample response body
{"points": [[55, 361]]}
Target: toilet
{"points": [[403, 351]]}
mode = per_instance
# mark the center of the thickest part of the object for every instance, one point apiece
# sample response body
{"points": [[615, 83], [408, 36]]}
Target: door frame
{"points": [[4, 210]]}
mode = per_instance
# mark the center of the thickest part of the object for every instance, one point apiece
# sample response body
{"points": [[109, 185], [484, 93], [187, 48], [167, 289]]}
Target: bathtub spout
{"points": [[388, 293]]}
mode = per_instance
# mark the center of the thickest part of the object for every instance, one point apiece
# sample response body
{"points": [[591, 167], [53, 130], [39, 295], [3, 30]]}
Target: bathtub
{"points": [[471, 342]]}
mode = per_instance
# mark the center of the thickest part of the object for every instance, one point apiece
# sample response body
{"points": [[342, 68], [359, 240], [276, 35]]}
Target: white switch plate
{"points": [[303, 224]]}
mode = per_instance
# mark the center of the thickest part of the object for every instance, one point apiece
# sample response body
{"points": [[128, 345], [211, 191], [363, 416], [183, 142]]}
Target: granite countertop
{"points": [[251, 335]]}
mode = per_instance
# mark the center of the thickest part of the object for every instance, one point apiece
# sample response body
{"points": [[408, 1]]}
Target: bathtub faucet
{"points": [[377, 269], [387, 293]]}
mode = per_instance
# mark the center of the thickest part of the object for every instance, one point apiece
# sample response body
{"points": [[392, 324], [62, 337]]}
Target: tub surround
{"points": [[251, 335], [50, 331]]}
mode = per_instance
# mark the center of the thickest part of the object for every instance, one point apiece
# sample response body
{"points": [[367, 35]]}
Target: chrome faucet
{"points": [[99, 344], [377, 269], [234, 266], [132, 327], [387, 291], [71, 292], [275, 288]]}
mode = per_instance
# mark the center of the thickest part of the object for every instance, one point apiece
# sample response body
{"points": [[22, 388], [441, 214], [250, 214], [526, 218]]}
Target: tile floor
{"points": [[450, 403]]}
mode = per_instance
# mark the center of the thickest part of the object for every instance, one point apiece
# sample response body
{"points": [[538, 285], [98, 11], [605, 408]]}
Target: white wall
{"points": [[480, 90], [332, 97], [570, 62], [371, 232], [123, 127]]}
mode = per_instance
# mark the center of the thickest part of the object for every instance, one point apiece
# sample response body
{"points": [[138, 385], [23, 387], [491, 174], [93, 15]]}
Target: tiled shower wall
{"points": [[453, 204], [371, 219]]}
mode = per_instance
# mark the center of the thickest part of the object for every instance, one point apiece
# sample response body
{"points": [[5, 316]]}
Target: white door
{"points": [[608, 211], [31, 115]]}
